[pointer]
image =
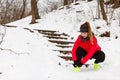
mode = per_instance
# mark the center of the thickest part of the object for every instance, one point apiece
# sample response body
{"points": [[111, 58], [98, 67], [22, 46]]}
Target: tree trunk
{"points": [[65, 2], [111, 1], [33, 11], [23, 11], [102, 9], [98, 9], [36, 11], [116, 4]]}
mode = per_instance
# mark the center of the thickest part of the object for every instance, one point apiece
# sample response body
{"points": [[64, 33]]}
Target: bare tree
{"points": [[116, 4], [111, 1], [102, 10], [65, 2], [34, 11], [11, 10], [98, 9], [24, 7]]}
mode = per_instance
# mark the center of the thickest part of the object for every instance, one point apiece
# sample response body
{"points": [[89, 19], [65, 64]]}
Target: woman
{"points": [[86, 48]]}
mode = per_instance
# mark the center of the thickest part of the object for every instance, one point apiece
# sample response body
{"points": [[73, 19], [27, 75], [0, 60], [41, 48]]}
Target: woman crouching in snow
{"points": [[86, 48]]}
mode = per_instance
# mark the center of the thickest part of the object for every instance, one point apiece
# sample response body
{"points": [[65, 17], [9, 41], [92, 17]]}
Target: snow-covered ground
{"points": [[34, 59]]}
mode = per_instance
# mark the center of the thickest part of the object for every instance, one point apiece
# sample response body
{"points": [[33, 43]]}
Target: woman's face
{"points": [[84, 34]]}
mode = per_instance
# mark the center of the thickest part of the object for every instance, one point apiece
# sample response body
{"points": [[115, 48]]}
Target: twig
{"points": [[2, 35], [11, 51]]}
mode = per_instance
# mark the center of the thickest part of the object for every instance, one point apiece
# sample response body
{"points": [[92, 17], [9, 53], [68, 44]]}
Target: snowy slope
{"points": [[34, 59]]}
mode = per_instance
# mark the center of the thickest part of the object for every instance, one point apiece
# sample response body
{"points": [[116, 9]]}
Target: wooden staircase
{"points": [[61, 40]]}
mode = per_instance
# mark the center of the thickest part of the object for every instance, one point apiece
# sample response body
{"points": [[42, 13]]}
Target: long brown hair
{"points": [[90, 34]]}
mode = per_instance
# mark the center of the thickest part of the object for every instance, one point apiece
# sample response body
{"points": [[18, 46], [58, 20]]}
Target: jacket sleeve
{"points": [[76, 44], [90, 52]]}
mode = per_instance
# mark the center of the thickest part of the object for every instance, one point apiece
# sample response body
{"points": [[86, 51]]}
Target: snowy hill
{"points": [[27, 55]]}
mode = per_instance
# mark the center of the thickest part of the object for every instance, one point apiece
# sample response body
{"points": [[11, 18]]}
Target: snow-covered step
{"points": [[52, 33], [46, 31], [67, 58], [56, 34], [64, 51], [61, 41], [56, 37], [64, 46]]}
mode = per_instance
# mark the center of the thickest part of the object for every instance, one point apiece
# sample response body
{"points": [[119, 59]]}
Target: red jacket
{"points": [[87, 46]]}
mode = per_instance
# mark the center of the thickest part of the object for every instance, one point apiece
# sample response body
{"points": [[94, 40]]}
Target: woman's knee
{"points": [[80, 53], [101, 56]]}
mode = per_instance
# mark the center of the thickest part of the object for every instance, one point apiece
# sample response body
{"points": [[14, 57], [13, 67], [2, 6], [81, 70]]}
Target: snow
{"points": [[34, 59]]}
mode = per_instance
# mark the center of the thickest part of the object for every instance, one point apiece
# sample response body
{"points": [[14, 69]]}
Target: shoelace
{"points": [[76, 69]]}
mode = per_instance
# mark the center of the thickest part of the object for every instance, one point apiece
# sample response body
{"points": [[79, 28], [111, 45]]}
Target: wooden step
{"points": [[63, 46], [64, 51], [55, 34], [56, 37], [52, 33], [65, 34], [45, 31], [66, 58], [61, 42]]}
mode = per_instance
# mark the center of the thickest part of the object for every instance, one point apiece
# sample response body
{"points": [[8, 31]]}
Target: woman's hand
{"points": [[77, 64]]}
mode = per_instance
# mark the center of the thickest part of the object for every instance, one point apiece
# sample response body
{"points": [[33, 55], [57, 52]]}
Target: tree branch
{"points": [[2, 35]]}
